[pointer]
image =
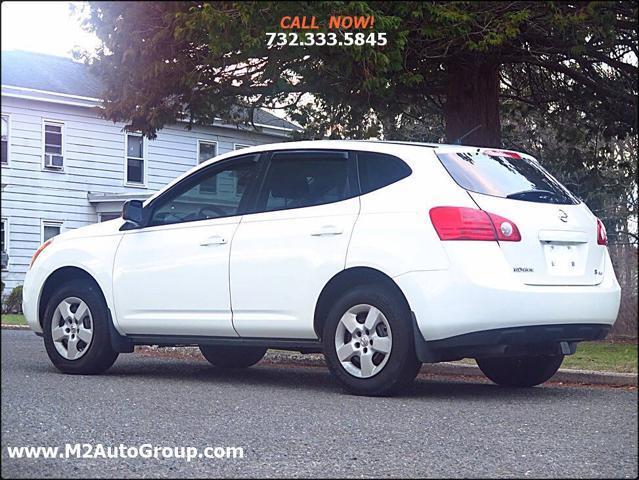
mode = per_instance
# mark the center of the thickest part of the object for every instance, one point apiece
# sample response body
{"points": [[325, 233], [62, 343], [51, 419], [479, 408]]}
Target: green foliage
{"points": [[578, 150], [13, 302], [567, 77], [165, 61], [9, 319]]}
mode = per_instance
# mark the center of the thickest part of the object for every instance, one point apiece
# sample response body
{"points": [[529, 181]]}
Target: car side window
{"points": [[377, 170], [299, 179], [215, 192]]}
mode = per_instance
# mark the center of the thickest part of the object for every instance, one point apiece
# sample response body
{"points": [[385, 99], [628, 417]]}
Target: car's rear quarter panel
{"points": [[393, 232]]}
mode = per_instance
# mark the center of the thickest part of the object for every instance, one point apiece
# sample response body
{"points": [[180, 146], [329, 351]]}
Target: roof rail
{"points": [[397, 142]]}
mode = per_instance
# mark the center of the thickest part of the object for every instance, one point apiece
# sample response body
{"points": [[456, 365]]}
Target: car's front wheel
{"points": [[520, 371], [232, 356], [76, 330], [368, 342]]}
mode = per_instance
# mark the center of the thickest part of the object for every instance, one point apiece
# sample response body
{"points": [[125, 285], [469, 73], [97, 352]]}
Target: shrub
{"points": [[13, 301]]}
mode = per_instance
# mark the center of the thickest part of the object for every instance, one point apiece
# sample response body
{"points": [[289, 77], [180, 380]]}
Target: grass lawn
{"points": [[13, 319], [604, 355]]}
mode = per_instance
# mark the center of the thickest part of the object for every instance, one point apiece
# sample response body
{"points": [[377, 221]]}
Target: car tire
{"points": [[223, 356], [76, 330], [520, 371], [362, 366]]}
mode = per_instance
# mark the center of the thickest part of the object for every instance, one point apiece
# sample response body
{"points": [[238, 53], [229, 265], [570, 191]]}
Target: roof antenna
{"points": [[459, 140]]}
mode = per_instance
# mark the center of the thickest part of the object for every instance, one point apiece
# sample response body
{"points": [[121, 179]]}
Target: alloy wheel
{"points": [[72, 328], [363, 341]]}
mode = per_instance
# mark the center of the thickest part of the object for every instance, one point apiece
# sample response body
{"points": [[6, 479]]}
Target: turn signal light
{"points": [[462, 223], [602, 236], [39, 251]]}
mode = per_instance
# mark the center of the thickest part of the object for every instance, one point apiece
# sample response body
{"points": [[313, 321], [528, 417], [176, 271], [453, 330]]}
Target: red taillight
{"points": [[602, 236], [458, 223], [462, 223]]}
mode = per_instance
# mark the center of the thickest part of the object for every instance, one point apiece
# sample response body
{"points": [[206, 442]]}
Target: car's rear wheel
{"points": [[368, 342], [232, 356], [520, 371], [76, 330]]}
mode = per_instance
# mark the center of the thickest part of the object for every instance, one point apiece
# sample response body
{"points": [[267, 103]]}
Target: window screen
{"points": [[50, 230], [206, 150], [3, 235], [53, 156], [5, 140], [135, 159]]}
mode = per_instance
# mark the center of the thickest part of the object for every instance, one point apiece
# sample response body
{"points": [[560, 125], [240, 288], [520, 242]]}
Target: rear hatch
{"points": [[559, 236]]}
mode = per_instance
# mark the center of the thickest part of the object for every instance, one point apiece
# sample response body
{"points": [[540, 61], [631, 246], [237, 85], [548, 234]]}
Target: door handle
{"points": [[213, 240], [327, 230]]}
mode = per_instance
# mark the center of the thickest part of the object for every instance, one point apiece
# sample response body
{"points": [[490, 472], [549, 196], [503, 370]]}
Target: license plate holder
{"points": [[563, 259]]}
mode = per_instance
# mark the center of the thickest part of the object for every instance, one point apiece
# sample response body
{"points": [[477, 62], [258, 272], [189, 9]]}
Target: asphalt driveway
{"points": [[296, 421]]}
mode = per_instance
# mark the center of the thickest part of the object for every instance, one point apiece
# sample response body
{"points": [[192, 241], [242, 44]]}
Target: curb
{"points": [[564, 375]]}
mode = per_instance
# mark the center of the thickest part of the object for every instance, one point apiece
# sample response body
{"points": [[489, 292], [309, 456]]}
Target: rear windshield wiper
{"points": [[536, 195]]}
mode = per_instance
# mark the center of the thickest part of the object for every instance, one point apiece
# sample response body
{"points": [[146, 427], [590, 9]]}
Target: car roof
{"points": [[382, 146]]}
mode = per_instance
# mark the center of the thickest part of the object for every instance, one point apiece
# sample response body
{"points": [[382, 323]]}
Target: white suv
{"points": [[382, 255]]}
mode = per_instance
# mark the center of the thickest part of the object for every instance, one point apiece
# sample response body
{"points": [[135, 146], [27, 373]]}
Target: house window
{"points": [[240, 146], [3, 235], [134, 159], [206, 150], [4, 238], [53, 145], [50, 229], [5, 140]]}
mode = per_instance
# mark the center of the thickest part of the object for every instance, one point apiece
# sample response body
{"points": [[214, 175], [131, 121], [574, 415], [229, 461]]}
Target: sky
{"points": [[44, 27], [49, 27]]}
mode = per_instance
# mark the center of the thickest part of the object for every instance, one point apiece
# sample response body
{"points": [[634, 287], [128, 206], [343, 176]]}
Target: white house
{"points": [[64, 167]]}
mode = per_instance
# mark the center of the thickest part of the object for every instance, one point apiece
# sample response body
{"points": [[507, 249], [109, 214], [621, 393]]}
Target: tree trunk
{"points": [[472, 104]]}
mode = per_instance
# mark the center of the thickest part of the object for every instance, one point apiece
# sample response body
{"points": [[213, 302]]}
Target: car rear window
{"points": [[505, 175]]}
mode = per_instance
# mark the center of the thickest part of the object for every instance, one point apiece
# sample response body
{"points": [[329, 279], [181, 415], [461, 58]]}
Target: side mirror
{"points": [[132, 212]]}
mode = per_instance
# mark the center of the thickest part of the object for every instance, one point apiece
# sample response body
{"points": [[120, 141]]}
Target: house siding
{"points": [[94, 161]]}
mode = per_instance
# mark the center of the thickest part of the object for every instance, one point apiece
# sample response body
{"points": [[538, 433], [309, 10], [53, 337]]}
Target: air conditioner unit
{"points": [[53, 161]]}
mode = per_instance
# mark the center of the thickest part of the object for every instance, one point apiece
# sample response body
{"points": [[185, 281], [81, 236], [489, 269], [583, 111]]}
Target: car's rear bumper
{"points": [[515, 341], [449, 303]]}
